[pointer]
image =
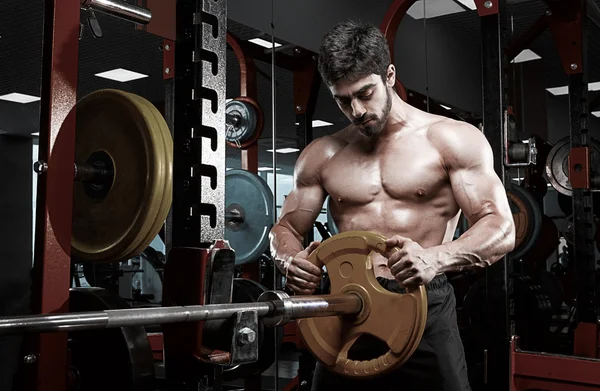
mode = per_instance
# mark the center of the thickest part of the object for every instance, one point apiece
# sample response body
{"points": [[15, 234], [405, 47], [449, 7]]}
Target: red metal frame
{"points": [[551, 372], [579, 168], [492, 9], [565, 26], [306, 83], [564, 21], [389, 28], [249, 90], [293, 385], [519, 44], [157, 345], [587, 340], [163, 17], [185, 283], [168, 59], [52, 266]]}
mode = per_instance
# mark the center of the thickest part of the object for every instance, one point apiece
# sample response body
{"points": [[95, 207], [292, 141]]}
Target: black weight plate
{"points": [[528, 220], [557, 164], [117, 359], [247, 121], [248, 291], [249, 194]]}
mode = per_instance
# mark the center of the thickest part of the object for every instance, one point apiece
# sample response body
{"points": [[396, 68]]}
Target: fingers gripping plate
{"points": [[397, 319]]}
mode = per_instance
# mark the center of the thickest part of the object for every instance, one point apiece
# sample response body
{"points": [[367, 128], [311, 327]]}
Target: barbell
{"points": [[329, 324]]}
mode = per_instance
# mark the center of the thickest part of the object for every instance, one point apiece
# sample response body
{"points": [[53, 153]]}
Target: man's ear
{"points": [[391, 76]]}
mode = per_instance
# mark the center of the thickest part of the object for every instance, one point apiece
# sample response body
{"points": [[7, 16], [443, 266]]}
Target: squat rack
{"points": [[59, 87]]}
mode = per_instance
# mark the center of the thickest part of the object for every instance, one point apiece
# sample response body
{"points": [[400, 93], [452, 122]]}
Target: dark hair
{"points": [[352, 50]]}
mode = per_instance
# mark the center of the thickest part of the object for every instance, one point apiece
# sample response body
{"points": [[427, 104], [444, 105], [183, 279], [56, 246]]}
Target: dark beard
{"points": [[378, 122]]}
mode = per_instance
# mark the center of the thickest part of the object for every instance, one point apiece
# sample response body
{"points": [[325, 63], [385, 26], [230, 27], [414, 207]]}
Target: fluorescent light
{"points": [[284, 150], [525, 55], [268, 169], [564, 90], [263, 43], [35, 134], [19, 98], [596, 113], [121, 75], [470, 4], [434, 8], [558, 90], [319, 123], [446, 107]]}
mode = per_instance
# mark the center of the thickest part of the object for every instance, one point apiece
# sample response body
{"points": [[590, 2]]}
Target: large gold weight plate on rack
{"points": [[396, 319], [121, 221]]}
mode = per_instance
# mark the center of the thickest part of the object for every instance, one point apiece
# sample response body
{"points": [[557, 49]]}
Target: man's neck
{"points": [[397, 119]]}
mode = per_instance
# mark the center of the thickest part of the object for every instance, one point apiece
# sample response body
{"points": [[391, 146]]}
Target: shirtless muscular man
{"points": [[405, 174]]}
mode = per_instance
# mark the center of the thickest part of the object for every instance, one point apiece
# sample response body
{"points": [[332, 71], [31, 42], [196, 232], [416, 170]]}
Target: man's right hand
{"points": [[302, 276]]}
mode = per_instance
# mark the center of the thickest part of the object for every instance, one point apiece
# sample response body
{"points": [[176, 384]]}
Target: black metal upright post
{"points": [[583, 211], [199, 139], [198, 207], [499, 289], [306, 92]]}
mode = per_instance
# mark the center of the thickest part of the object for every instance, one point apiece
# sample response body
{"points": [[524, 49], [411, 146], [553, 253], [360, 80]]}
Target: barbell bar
{"points": [[82, 172], [120, 9], [270, 305]]}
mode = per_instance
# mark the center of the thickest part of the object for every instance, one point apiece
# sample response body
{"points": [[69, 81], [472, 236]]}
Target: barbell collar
{"points": [[293, 308], [233, 119]]}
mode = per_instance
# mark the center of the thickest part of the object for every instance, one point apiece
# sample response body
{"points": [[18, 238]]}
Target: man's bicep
{"points": [[301, 208], [470, 163], [479, 192]]}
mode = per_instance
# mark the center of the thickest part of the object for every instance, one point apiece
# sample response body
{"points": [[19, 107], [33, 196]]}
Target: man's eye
{"points": [[365, 97]]}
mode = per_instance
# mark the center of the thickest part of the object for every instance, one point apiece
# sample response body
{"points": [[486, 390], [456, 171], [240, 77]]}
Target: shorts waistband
{"points": [[440, 281]]}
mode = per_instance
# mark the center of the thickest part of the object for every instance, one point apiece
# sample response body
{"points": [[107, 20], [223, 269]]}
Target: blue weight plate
{"points": [[249, 200]]}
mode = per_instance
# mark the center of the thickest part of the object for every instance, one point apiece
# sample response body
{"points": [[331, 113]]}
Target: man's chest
{"points": [[407, 173]]}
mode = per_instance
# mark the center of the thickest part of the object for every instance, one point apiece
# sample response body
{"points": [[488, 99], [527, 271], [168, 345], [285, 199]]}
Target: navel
{"points": [[420, 192]]}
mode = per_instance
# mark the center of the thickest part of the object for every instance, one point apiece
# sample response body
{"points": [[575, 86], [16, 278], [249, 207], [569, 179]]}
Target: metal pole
{"points": [[274, 146], [120, 9], [499, 287], [293, 308]]}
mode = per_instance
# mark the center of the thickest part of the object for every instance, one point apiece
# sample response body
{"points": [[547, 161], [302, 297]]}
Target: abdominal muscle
{"points": [[427, 225]]}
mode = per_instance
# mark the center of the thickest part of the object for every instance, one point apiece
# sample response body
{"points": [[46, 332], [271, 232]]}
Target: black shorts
{"points": [[438, 363]]}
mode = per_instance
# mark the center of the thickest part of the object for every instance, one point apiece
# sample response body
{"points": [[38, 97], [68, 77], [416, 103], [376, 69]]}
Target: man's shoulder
{"points": [[458, 141], [327, 146], [446, 133], [316, 154]]}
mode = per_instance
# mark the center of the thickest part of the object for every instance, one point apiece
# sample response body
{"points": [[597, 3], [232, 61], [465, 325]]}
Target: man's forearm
{"points": [[284, 246], [481, 245]]}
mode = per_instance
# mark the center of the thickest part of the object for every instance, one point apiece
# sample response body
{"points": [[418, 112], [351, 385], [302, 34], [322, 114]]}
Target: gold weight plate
{"points": [[163, 204], [133, 133], [396, 319]]}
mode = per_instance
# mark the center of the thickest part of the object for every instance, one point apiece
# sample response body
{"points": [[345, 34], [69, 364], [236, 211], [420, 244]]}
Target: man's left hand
{"points": [[412, 265]]}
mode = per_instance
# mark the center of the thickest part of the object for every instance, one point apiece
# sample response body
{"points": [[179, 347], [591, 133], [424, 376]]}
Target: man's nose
{"points": [[358, 110]]}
